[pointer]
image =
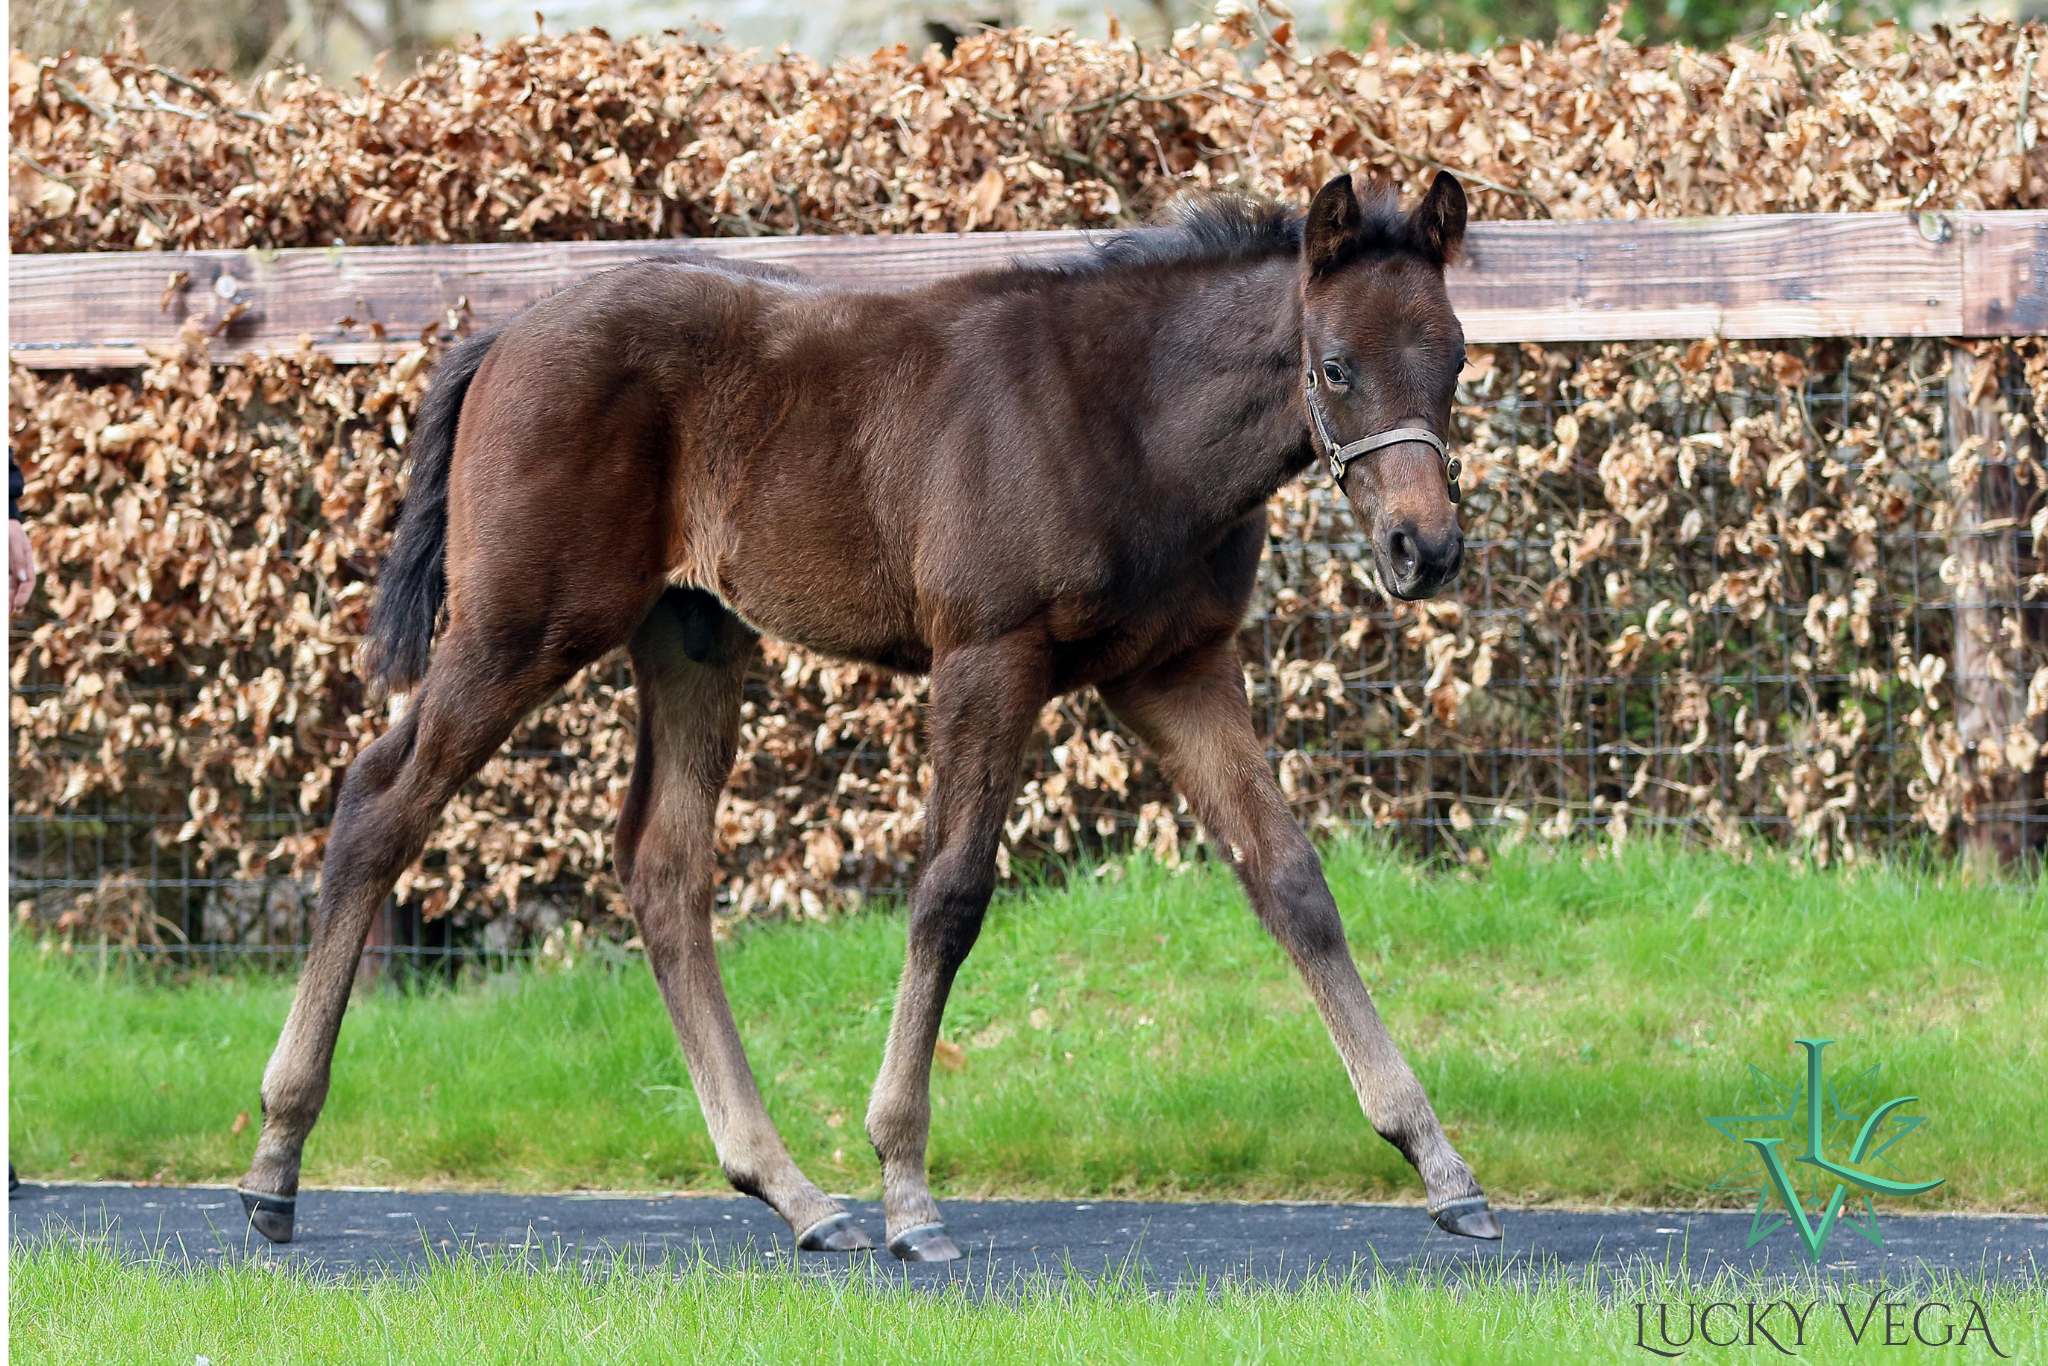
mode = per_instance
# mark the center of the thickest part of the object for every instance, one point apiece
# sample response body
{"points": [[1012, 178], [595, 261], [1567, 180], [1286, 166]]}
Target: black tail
{"points": [[415, 577]]}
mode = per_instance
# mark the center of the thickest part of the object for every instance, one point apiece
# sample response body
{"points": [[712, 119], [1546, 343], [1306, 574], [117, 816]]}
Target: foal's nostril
{"points": [[1402, 553]]}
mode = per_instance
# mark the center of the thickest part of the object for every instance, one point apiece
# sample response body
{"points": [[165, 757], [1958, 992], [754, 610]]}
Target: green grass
{"points": [[76, 1302], [1574, 1019]]}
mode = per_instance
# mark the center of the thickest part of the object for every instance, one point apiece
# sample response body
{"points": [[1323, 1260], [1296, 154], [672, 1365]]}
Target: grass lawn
{"points": [[77, 1303], [1574, 1018]]}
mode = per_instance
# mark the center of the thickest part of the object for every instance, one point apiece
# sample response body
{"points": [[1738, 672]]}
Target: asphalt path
{"points": [[385, 1232]]}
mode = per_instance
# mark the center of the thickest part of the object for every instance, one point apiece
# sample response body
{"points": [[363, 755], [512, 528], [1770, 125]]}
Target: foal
{"points": [[1022, 482]]}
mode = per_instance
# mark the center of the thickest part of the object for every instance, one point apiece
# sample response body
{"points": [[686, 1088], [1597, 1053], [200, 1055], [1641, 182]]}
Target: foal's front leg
{"points": [[1194, 715], [984, 699]]}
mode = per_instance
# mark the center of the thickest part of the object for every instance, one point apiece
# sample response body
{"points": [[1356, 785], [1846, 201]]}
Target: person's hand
{"points": [[21, 567]]}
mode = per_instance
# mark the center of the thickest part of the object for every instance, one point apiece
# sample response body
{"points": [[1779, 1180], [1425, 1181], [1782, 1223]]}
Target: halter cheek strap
{"points": [[1343, 455]]}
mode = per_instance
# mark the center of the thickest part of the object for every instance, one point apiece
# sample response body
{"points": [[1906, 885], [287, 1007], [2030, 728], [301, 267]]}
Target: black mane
{"points": [[1210, 229], [1201, 230]]}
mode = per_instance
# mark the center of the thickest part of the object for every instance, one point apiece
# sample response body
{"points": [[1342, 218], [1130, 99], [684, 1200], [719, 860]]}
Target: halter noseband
{"points": [[1340, 456]]}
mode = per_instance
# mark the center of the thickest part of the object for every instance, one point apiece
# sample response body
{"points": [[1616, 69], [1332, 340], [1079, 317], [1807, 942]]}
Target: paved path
{"points": [[1169, 1244]]}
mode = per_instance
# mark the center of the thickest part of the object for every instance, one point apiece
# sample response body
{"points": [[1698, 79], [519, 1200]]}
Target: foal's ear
{"points": [[1437, 227], [1334, 225]]}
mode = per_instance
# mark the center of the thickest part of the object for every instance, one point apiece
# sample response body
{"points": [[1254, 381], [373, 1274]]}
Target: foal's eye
{"points": [[1334, 373]]}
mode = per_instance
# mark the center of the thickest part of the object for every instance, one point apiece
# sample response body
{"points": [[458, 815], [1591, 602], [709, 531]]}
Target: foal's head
{"points": [[1383, 351]]}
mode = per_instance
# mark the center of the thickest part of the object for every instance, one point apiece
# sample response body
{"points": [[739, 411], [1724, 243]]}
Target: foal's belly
{"points": [[832, 606], [790, 580]]}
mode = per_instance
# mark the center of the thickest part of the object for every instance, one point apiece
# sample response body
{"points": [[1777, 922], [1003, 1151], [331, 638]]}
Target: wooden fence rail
{"points": [[1781, 275]]}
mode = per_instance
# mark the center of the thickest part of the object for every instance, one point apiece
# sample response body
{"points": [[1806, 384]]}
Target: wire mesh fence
{"points": [[1730, 593]]}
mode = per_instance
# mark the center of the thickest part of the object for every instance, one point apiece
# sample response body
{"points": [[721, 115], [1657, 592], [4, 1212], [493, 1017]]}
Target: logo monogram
{"points": [[1778, 1177]]}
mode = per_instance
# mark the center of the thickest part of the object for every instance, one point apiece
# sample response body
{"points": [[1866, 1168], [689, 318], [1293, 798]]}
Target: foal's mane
{"points": [[1203, 229]]}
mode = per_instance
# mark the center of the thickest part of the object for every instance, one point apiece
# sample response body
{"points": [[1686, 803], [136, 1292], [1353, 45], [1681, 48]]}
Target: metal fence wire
{"points": [[1597, 670]]}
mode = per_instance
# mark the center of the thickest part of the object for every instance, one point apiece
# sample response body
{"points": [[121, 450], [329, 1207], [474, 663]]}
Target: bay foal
{"points": [[1022, 482]]}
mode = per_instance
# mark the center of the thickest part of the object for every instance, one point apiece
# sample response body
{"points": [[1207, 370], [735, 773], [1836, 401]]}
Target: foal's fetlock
{"points": [[917, 1231], [1456, 1204], [814, 1217], [270, 1188]]}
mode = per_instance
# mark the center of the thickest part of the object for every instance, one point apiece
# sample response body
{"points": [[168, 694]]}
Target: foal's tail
{"points": [[415, 577]]}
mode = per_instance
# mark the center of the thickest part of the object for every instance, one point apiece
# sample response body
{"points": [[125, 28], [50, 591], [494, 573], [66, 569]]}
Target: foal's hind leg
{"points": [[472, 697], [1194, 715], [689, 659]]}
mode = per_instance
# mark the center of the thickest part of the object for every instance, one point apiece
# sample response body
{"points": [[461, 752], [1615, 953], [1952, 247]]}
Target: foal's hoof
{"points": [[1468, 1219], [270, 1215], [835, 1233], [925, 1243]]}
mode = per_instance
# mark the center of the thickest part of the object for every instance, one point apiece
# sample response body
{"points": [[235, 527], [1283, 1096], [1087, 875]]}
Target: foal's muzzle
{"points": [[1414, 563]]}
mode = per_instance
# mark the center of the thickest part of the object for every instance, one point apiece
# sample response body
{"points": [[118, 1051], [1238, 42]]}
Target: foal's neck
{"points": [[1229, 427]]}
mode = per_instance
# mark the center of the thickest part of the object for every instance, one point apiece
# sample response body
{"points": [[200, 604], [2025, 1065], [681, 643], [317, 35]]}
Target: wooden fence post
{"points": [[1990, 695]]}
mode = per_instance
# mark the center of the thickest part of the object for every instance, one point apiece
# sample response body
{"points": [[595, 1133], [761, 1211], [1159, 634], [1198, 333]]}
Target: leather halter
{"points": [[1340, 456]]}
